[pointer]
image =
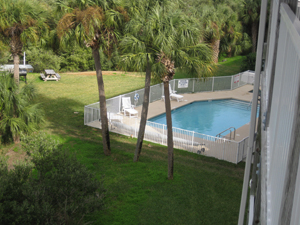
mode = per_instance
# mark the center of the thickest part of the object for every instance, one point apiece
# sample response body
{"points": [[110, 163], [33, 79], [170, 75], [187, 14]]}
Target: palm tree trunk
{"points": [[144, 114], [254, 30], [16, 68], [215, 44], [102, 100], [229, 52], [16, 138], [170, 132]]}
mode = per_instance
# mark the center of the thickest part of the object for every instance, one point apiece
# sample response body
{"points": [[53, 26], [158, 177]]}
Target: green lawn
{"points": [[204, 190], [230, 66]]}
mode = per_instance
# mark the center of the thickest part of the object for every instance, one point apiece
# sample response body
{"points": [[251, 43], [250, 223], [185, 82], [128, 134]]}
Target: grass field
{"points": [[204, 190], [230, 66]]}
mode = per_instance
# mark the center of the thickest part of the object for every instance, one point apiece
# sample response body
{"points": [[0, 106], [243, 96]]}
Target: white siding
{"points": [[286, 86]]}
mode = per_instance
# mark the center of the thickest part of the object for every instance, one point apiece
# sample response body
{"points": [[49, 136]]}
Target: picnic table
{"points": [[50, 75]]}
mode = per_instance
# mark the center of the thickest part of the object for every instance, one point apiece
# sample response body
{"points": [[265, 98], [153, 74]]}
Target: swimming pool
{"points": [[209, 117]]}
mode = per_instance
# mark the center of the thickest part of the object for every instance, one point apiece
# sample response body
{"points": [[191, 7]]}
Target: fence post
{"points": [[223, 150], [93, 115], [150, 94], [162, 138], [238, 151], [231, 81], [120, 99], [84, 115], [239, 80], [193, 139], [193, 85], [135, 128], [213, 83]]}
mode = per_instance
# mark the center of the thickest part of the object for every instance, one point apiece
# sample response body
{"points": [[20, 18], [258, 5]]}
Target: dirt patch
{"points": [[93, 73], [14, 157]]}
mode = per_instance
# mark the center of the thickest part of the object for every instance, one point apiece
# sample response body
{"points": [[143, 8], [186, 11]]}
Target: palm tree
{"points": [[250, 15], [158, 42], [94, 24], [141, 50], [20, 21], [231, 43], [185, 53], [17, 114], [4, 53], [220, 22], [214, 18]]}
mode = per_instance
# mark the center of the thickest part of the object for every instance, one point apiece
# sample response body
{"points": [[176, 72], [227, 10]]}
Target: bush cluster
{"points": [[17, 111], [54, 188], [74, 59], [249, 62], [42, 59], [77, 59]]}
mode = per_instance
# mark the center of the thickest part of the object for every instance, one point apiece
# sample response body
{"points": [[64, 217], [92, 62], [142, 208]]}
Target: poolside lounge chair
{"points": [[127, 108], [114, 117], [173, 95]]}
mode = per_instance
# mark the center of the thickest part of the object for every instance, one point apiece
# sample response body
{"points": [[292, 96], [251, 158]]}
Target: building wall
{"points": [[281, 186]]}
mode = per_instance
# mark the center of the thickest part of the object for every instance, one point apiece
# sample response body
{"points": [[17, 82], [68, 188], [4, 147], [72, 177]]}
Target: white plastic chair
{"points": [[114, 117], [128, 108], [174, 95]]}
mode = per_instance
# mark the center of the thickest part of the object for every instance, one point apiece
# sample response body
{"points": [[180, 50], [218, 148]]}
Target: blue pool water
{"points": [[209, 117]]}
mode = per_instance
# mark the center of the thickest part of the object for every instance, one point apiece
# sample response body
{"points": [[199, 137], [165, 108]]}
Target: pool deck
{"points": [[242, 93], [158, 107]]}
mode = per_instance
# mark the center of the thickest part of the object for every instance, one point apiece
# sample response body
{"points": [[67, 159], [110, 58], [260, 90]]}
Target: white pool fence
{"points": [[220, 148]]}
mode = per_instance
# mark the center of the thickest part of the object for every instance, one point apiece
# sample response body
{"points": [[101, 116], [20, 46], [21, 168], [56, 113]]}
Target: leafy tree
{"points": [[223, 25], [141, 50], [157, 40], [249, 62], [216, 21], [94, 24], [54, 188], [250, 15], [4, 53], [17, 113], [21, 21], [42, 59], [231, 42], [185, 53], [77, 58]]}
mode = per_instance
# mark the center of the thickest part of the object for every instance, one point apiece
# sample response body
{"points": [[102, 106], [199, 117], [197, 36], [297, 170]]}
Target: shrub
{"points": [[17, 113], [42, 59], [77, 59], [4, 53], [249, 62], [54, 188]]}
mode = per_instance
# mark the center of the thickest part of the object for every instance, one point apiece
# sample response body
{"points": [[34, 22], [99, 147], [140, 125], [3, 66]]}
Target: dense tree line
{"points": [[229, 26]]}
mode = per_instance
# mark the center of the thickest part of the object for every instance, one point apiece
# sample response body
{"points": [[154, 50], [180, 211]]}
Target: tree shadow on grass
{"points": [[136, 190], [64, 116]]}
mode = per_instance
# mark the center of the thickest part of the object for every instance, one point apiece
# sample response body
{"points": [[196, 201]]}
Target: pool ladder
{"points": [[250, 104], [230, 128]]}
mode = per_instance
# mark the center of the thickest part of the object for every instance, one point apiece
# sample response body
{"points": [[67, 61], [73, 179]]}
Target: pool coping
{"points": [[242, 93]]}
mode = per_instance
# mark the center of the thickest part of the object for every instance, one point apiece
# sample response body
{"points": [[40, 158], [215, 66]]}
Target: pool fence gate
{"points": [[220, 148]]}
